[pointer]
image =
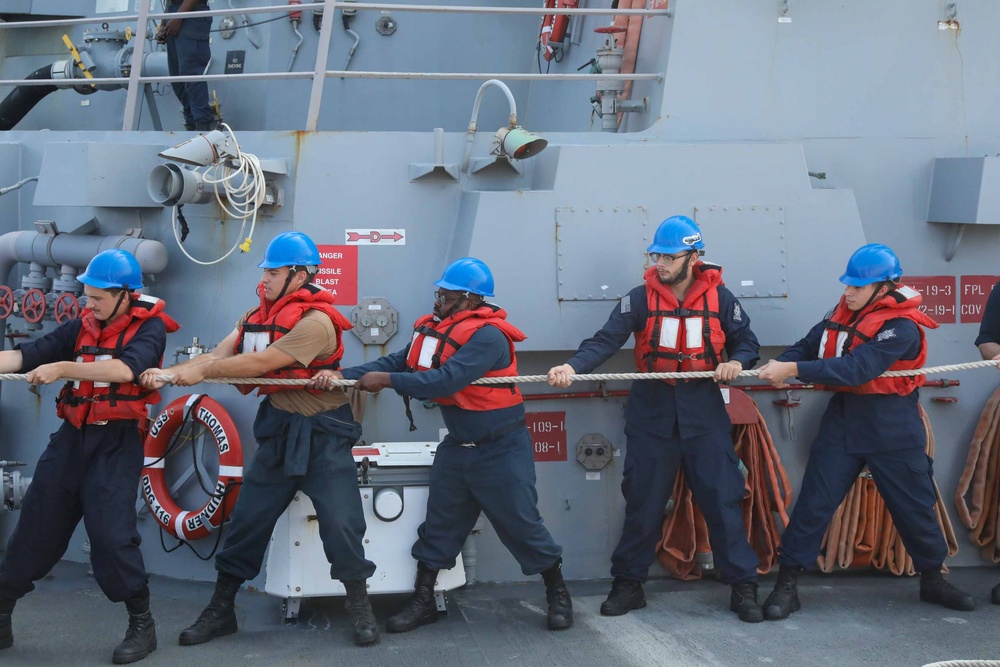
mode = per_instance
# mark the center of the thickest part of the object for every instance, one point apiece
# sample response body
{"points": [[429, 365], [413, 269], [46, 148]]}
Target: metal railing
{"points": [[320, 73]]}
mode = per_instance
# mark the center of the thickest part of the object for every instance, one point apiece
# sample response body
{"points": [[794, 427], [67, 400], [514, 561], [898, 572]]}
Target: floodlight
{"points": [[518, 143], [204, 149]]}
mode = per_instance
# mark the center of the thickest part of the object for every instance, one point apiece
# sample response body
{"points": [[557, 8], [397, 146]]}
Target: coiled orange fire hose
{"points": [[684, 548], [979, 483], [862, 533]]}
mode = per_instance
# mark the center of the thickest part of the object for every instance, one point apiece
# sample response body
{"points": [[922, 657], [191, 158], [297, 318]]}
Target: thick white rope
{"points": [[544, 378], [965, 663]]}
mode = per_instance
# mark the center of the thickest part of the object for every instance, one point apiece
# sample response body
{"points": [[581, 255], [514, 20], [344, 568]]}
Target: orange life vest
{"points": [[435, 341], [270, 321], [90, 402], [846, 330], [675, 333]]}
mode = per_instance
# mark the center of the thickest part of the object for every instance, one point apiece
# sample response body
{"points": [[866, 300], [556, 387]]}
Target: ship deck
{"points": [[846, 619]]}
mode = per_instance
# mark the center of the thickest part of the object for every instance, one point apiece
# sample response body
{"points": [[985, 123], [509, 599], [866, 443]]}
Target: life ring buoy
{"points": [[192, 524], [554, 26]]}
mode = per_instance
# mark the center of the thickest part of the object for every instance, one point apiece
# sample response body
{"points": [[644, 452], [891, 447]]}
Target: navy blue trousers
{"points": [[91, 474], [904, 478], [497, 478], [185, 56], [711, 469], [331, 482]]}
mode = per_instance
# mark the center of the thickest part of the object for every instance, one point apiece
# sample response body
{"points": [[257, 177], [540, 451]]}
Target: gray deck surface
{"points": [[847, 619]]}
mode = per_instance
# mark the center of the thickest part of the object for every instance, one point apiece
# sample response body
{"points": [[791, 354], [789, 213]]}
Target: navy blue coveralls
{"points": [[989, 329], [188, 53], [883, 431], [90, 473], [311, 454], [667, 426], [497, 476]]}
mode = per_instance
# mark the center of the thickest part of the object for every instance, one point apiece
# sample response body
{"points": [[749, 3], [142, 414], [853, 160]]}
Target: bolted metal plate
{"points": [[749, 242], [375, 320], [594, 451], [600, 250]]}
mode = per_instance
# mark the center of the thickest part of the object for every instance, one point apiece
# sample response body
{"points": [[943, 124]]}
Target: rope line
{"points": [[593, 377]]}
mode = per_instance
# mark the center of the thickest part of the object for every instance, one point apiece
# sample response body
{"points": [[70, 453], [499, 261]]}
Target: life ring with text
{"points": [[198, 523]]}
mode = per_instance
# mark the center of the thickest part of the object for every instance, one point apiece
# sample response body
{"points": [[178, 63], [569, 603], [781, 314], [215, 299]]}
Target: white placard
{"points": [[111, 6]]}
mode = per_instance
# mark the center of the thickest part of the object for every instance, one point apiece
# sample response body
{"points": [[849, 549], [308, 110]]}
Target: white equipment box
{"points": [[394, 479]]}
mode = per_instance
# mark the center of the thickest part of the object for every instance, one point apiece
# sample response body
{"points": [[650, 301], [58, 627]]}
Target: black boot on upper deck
{"points": [[219, 618], [784, 599], [934, 588], [359, 610], [560, 614], [743, 601], [422, 608]]}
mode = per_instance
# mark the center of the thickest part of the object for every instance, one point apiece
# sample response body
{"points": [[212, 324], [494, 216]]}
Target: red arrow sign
{"points": [[373, 236]]}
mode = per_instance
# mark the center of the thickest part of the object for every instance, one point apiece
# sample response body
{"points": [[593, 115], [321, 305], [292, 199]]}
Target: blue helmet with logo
{"points": [[676, 234], [113, 269], [290, 249], [468, 275], [872, 263]]}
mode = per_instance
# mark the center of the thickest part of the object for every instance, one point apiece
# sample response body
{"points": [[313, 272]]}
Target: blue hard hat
{"points": [[871, 263], [290, 249], [676, 234], [113, 269], [468, 275]]}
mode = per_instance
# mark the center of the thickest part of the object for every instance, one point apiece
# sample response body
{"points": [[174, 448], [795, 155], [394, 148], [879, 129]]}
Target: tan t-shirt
{"points": [[313, 337]]}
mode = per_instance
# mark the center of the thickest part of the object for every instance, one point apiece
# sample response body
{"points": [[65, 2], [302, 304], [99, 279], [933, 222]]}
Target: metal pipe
{"points": [[74, 250], [356, 74], [375, 6], [350, 54], [295, 49], [475, 115], [944, 383]]}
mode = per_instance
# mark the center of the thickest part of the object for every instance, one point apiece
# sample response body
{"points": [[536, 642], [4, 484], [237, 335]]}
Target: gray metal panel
{"points": [[956, 186], [593, 262], [752, 239], [83, 173]]}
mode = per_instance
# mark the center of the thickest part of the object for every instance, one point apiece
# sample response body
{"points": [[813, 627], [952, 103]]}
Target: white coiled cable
{"points": [[244, 194]]}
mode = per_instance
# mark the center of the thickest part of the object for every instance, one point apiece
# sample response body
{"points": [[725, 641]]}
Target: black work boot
{"points": [[784, 599], [219, 617], [934, 588], [625, 596], [560, 614], [6, 631], [994, 598], [140, 638], [421, 609], [743, 600], [359, 610]]}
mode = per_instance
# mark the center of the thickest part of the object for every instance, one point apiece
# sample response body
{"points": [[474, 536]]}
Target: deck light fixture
{"points": [[512, 142]]}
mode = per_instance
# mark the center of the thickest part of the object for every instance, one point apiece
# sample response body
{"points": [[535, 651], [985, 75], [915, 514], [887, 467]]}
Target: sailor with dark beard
{"points": [[683, 319]]}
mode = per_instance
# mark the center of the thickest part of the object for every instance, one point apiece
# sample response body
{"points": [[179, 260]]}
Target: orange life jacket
{"points": [[88, 402], [270, 321], [846, 330], [675, 333], [435, 341]]}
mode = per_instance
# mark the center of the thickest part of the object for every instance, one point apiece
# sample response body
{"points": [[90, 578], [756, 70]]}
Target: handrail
{"points": [[319, 74], [334, 4]]}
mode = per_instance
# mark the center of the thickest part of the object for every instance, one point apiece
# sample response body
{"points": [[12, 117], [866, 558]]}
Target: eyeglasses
{"points": [[442, 298], [655, 257]]}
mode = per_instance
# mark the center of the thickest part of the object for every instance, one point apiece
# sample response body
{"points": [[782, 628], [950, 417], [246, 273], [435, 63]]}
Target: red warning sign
{"points": [[548, 433], [339, 272], [975, 291], [940, 296]]}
